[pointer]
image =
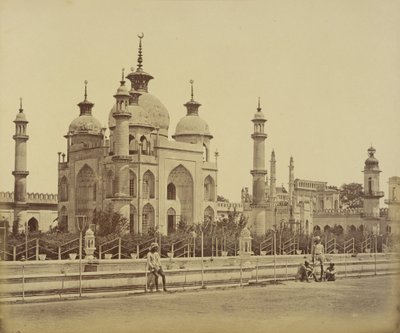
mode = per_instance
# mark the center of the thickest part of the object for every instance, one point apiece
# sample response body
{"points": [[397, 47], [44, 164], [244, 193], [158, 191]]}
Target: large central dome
{"points": [[149, 112]]}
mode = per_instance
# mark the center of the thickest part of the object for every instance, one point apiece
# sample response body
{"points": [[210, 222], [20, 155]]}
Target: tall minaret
{"points": [[20, 173], [121, 156], [372, 194], [291, 181], [272, 189], [259, 170]]}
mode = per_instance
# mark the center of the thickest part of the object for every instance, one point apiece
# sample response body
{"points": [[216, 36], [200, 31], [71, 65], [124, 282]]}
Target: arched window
{"points": [[33, 225], [205, 153], [171, 192], [132, 184], [145, 145], [147, 218], [64, 189], [317, 229], [148, 185], [327, 229], [209, 214], [352, 228], [171, 221], [209, 189], [370, 185]]}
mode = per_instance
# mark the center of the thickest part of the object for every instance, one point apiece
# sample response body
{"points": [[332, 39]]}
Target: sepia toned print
{"points": [[199, 166]]}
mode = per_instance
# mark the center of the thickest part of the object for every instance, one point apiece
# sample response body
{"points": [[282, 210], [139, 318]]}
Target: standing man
{"points": [[154, 265], [317, 253]]}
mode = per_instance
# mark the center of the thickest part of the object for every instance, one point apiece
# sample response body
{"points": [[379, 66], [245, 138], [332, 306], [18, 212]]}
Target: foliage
{"points": [[110, 223], [220, 198], [351, 195]]}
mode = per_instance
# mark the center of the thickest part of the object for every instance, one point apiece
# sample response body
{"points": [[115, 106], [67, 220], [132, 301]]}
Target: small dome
{"points": [[122, 91], [259, 115], [371, 161], [85, 123], [20, 117], [149, 112], [192, 125]]}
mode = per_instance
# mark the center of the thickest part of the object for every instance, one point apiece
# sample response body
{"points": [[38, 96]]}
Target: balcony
{"points": [[374, 194]]}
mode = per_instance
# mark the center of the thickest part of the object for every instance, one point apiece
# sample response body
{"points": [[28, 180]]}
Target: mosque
{"points": [[150, 179], [155, 181], [313, 206]]}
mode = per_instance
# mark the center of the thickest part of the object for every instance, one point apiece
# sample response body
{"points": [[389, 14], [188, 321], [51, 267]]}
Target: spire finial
{"points": [[123, 74], [86, 82], [191, 95], [259, 105], [20, 105], [140, 58]]}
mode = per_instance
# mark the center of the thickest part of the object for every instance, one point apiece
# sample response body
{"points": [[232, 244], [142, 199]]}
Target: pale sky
{"points": [[327, 72]]}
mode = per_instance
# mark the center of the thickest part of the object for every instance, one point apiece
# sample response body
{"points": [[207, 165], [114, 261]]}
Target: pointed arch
{"points": [[209, 189], [148, 188], [145, 145], [205, 153], [327, 229], [33, 225], [171, 221], [147, 218], [183, 181], [171, 192], [64, 189], [209, 214], [85, 191]]}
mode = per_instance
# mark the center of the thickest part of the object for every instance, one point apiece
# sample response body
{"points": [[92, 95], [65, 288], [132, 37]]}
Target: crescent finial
{"points": [[141, 35]]}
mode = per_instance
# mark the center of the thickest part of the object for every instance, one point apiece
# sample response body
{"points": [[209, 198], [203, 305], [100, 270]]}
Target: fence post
{"points": [[37, 249], [376, 250], [274, 256], [23, 282], [119, 248], [345, 266], [145, 278], [241, 271], [286, 270], [100, 252], [257, 270], [59, 253], [14, 253], [137, 251]]}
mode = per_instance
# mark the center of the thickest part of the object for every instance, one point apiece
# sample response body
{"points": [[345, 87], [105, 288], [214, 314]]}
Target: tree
{"points": [[351, 195], [220, 198], [109, 222]]}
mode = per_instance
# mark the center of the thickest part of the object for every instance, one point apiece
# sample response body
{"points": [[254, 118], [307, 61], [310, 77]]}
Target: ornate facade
{"points": [[138, 171]]}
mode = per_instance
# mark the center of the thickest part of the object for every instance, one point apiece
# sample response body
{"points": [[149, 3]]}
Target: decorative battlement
{"points": [[229, 206], [31, 197], [339, 212]]}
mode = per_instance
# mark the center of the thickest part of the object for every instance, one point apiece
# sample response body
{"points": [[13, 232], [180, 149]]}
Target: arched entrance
{"points": [[33, 225], [183, 181], [171, 221]]}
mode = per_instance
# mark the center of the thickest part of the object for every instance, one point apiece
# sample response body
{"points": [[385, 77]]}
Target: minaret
{"points": [[259, 172], [272, 189], [20, 173], [121, 138], [372, 194], [291, 182]]}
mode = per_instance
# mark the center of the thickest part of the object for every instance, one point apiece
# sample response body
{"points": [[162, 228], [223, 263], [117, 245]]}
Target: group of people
{"points": [[307, 271]]}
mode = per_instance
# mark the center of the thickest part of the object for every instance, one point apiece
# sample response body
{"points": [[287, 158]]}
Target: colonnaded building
{"points": [[313, 206], [152, 180]]}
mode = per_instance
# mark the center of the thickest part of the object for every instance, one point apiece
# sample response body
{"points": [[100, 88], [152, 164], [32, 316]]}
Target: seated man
{"points": [[330, 273], [304, 272]]}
